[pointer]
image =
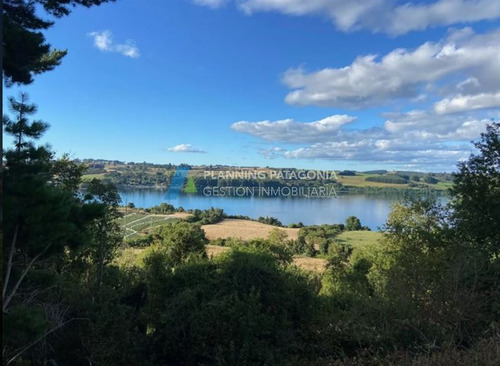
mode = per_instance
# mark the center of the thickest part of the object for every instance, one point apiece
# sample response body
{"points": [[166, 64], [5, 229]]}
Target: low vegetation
{"points": [[425, 291]]}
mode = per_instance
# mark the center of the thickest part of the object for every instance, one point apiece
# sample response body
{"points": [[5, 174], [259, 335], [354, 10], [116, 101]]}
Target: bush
{"points": [[176, 242], [239, 309], [347, 173], [352, 223], [162, 208], [140, 242], [270, 221], [430, 179], [206, 217]]}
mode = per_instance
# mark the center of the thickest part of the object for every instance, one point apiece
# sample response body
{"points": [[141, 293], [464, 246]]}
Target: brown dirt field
{"points": [[215, 250], [310, 264], [243, 229], [177, 215]]}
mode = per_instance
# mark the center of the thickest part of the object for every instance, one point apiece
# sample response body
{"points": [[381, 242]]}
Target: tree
{"points": [[241, 308], [477, 193], [106, 232], [45, 222], [25, 50], [178, 241], [352, 223], [430, 179]]}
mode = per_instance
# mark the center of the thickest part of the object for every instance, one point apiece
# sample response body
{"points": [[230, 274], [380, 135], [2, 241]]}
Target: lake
{"points": [[372, 210]]}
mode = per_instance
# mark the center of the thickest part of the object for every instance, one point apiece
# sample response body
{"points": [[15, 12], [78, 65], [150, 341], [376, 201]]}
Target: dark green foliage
{"points": [[25, 51], [205, 217], [241, 309], [178, 240], [347, 173], [393, 179], [316, 236], [162, 208], [49, 227], [270, 221], [430, 179], [376, 172], [140, 242], [352, 223], [324, 246], [297, 246], [415, 178], [431, 287], [477, 194]]}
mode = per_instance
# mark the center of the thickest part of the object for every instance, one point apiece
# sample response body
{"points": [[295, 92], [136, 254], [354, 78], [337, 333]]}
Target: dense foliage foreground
{"points": [[428, 294]]}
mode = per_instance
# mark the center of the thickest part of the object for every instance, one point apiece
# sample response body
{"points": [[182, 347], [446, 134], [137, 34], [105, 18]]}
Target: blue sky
{"points": [[325, 84]]}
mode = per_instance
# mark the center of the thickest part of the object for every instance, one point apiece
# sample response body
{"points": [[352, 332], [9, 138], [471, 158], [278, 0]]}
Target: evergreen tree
{"points": [[45, 223], [477, 193], [25, 50]]}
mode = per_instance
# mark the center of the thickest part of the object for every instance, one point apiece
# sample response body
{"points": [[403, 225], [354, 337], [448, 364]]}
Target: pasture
{"points": [[243, 229]]}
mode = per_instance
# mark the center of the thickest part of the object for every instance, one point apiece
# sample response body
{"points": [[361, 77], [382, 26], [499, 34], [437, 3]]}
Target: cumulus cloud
{"points": [[271, 152], [404, 74], [103, 40], [370, 151], [462, 103], [420, 138], [389, 16], [185, 148], [288, 130]]}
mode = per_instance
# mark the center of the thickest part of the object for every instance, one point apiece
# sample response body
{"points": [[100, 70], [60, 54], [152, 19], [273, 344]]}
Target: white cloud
{"points": [[402, 73], [291, 131], [271, 152], [104, 41], [462, 103], [420, 138], [185, 148], [389, 16]]}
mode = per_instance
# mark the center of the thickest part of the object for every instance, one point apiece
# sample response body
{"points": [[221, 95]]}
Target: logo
{"points": [[175, 188], [190, 186]]}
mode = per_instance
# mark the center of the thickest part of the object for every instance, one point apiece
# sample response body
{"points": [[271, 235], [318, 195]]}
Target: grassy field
{"points": [[359, 239], [243, 229], [130, 257], [89, 177], [359, 180], [137, 223]]}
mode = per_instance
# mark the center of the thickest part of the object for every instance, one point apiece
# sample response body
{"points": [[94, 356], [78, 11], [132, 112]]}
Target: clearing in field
{"points": [[359, 239], [243, 229], [137, 222], [130, 257]]}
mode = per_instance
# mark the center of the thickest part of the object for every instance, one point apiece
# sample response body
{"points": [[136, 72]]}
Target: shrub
{"points": [[210, 216], [270, 221], [430, 179], [239, 309], [352, 223], [347, 173]]}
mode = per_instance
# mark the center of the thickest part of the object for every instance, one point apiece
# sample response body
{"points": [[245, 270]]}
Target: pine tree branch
{"points": [[6, 301]]}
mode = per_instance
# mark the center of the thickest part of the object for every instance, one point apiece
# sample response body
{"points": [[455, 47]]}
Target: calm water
{"points": [[372, 210]]}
